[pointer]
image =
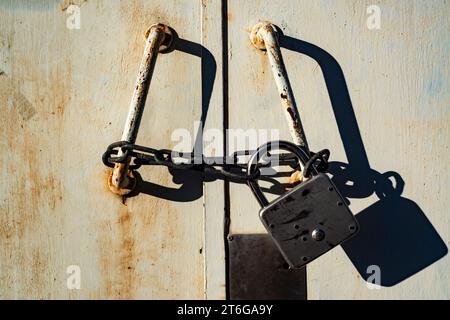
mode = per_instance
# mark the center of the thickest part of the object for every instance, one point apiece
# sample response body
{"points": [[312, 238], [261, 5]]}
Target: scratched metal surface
{"points": [[396, 81], [64, 96]]}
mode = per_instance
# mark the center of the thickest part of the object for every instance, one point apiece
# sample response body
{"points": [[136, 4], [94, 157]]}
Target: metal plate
{"points": [[313, 207], [257, 270]]}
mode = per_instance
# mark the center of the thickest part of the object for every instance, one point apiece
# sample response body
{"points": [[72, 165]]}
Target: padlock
{"points": [[308, 220]]}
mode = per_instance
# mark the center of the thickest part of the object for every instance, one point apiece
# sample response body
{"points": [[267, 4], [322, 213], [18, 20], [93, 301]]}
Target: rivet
{"points": [[318, 234]]}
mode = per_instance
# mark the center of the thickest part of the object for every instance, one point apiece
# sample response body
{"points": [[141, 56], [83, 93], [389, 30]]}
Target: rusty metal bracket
{"points": [[158, 40], [264, 36]]}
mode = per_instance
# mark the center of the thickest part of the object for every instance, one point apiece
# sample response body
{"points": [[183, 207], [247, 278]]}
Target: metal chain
{"points": [[218, 167]]}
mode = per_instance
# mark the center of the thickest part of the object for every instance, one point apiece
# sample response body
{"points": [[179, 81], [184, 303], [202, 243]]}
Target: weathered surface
{"points": [[395, 78], [376, 98], [64, 96]]}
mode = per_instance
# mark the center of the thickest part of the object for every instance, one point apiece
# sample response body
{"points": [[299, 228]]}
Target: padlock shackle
{"points": [[299, 151]]}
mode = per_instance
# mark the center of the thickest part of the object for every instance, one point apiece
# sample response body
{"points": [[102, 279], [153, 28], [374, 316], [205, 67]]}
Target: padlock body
{"points": [[309, 220]]}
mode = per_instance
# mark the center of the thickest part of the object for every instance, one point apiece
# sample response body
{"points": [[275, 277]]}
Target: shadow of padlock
{"points": [[395, 236]]}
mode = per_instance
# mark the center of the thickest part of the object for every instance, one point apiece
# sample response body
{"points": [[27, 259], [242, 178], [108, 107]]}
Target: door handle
{"points": [[264, 36], [159, 39]]}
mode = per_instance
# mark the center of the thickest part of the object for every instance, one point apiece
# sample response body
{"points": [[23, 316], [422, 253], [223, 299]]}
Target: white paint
{"points": [[394, 77], [148, 248], [56, 207]]}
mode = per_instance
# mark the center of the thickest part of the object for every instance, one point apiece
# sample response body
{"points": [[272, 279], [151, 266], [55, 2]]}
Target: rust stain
{"points": [[260, 75], [122, 255], [258, 41], [295, 178], [36, 188], [128, 182], [33, 192], [38, 273], [138, 19], [127, 243], [267, 28], [12, 99], [118, 256], [274, 52], [34, 195], [127, 258]]}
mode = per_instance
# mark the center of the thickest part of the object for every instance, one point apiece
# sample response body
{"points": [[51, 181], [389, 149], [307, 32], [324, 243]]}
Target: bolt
{"points": [[318, 234]]}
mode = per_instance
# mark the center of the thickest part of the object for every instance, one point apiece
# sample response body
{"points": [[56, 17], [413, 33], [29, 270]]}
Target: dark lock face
{"points": [[309, 220]]}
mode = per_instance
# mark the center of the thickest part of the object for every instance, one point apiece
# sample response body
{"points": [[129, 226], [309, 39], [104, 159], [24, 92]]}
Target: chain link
{"points": [[217, 167]]}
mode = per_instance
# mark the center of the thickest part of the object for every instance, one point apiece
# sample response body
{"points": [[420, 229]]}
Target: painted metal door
{"points": [[67, 74], [369, 80], [371, 90]]}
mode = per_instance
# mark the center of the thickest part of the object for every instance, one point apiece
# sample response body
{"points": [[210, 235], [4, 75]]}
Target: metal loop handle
{"points": [[159, 39], [264, 36]]}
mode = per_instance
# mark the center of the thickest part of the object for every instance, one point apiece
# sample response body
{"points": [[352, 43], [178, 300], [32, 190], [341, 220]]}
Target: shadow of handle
{"points": [[395, 234], [191, 187], [358, 167]]}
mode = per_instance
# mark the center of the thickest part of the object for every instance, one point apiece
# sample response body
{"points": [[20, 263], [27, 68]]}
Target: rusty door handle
{"points": [[158, 39], [264, 36]]}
